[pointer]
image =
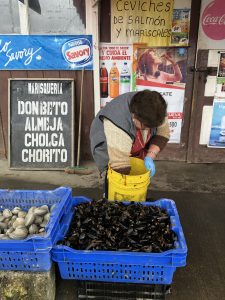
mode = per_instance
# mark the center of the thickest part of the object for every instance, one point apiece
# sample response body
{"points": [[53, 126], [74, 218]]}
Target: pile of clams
{"points": [[106, 225], [18, 224]]}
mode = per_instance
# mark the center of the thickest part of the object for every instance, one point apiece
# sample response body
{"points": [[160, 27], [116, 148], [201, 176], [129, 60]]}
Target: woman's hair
{"points": [[149, 107], [145, 63]]}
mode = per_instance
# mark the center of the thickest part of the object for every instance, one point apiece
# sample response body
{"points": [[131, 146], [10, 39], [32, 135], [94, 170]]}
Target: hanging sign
{"points": [[46, 52], [164, 70], [41, 123], [141, 21]]}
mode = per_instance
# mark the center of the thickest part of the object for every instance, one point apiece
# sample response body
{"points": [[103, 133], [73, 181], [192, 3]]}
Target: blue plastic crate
{"points": [[115, 266], [33, 253]]}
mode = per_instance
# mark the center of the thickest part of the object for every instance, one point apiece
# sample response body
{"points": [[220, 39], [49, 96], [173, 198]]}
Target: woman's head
{"points": [[148, 109], [147, 60]]}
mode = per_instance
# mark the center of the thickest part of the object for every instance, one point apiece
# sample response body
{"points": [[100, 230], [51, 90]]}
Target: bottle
{"points": [[114, 81], [103, 81], [124, 79]]}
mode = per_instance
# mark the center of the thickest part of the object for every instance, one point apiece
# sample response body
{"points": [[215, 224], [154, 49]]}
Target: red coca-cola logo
{"points": [[213, 20]]}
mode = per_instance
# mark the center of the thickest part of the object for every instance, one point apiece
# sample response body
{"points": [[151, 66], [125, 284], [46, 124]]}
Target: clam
{"points": [[31, 209], [29, 219], [19, 233], [42, 233], [19, 223], [38, 220], [33, 229], [8, 231], [3, 237], [44, 223], [6, 221], [9, 224], [14, 218], [22, 214], [7, 213], [2, 218], [42, 210], [3, 225], [47, 217], [16, 210], [52, 207]]}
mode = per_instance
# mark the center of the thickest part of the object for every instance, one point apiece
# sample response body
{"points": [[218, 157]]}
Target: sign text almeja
{"points": [[41, 123]]}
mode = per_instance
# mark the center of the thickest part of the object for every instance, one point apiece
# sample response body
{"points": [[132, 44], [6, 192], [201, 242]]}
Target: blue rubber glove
{"points": [[150, 165]]}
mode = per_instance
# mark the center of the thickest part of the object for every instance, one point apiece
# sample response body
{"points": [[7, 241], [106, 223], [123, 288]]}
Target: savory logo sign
{"points": [[46, 52], [77, 51]]}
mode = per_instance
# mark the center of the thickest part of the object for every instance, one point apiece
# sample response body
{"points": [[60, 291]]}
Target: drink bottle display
{"points": [[114, 81], [103, 81], [125, 79]]}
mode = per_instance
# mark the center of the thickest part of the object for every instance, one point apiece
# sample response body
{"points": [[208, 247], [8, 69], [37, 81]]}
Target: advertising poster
{"points": [[217, 132], [212, 25], [220, 87], [46, 52], [115, 71], [221, 67], [180, 27], [164, 70], [141, 22]]}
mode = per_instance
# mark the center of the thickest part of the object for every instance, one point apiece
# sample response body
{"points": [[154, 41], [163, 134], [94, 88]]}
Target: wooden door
{"points": [[201, 153]]}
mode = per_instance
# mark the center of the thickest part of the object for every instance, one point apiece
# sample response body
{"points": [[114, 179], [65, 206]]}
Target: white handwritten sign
{"points": [[141, 22]]}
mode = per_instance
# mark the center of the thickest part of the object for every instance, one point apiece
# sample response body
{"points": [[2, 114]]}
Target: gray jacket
{"points": [[118, 112]]}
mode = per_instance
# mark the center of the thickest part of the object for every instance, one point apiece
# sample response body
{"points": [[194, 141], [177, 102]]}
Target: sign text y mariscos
{"points": [[25, 53]]}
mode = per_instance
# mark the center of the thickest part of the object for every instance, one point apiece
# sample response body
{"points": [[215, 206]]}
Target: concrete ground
{"points": [[199, 193], [170, 176]]}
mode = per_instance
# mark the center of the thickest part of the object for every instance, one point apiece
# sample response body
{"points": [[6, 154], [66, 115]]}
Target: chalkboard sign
{"points": [[41, 123]]}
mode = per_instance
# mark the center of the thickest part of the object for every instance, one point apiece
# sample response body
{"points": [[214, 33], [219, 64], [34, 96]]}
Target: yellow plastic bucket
{"points": [[132, 187]]}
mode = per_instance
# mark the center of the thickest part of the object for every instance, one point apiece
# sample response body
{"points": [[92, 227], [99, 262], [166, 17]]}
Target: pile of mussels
{"points": [[18, 224], [105, 225]]}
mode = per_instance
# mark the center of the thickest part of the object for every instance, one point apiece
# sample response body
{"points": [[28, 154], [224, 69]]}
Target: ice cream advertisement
{"points": [[46, 52]]}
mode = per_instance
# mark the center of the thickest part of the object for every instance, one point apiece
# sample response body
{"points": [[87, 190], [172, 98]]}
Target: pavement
{"points": [[170, 176], [199, 193]]}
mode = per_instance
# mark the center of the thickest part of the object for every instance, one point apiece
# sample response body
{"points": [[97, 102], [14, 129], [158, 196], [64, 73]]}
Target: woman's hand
{"points": [[150, 165], [169, 58], [177, 72]]}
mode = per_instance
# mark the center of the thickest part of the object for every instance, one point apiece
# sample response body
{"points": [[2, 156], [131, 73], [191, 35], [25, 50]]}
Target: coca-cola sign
{"points": [[213, 20]]}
